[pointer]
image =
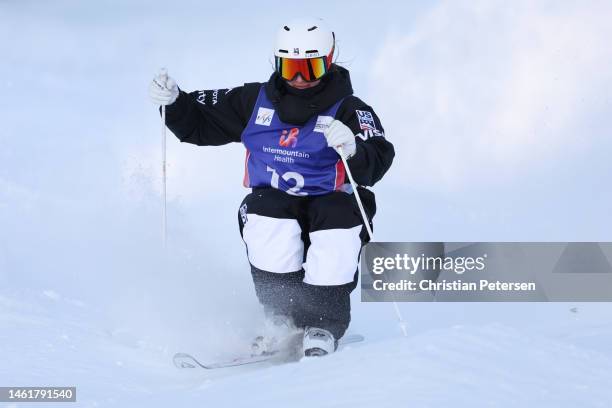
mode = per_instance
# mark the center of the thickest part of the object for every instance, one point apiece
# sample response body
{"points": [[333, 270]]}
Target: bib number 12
{"points": [[290, 175]]}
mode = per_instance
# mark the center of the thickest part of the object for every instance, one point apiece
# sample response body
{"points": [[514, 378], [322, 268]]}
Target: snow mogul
{"points": [[301, 223]]}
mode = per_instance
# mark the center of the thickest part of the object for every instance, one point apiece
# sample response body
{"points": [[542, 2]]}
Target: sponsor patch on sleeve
{"points": [[366, 120], [210, 97], [369, 133], [202, 97]]}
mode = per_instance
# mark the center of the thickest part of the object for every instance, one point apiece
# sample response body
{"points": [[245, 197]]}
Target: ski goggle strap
{"points": [[310, 69]]}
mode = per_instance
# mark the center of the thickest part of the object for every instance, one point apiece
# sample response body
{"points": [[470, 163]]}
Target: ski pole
{"points": [[164, 74], [354, 186], [398, 313]]}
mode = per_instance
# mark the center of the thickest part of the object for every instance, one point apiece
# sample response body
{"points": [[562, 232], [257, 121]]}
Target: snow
{"points": [[89, 298], [566, 361]]}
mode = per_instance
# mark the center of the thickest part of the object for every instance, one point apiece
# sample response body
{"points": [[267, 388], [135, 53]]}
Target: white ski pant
{"points": [[304, 253]]}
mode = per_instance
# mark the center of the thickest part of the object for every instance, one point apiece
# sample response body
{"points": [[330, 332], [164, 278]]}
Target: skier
{"points": [[301, 225]]}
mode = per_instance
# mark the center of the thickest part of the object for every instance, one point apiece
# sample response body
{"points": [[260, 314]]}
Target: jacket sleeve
{"points": [[374, 154], [211, 117]]}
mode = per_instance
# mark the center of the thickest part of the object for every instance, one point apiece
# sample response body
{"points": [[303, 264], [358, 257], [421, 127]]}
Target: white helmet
{"points": [[304, 38]]}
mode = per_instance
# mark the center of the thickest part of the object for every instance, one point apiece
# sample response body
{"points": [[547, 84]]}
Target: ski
{"points": [[184, 360]]}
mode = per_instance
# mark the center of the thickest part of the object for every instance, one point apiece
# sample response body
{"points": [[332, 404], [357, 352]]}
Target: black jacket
{"points": [[217, 117]]}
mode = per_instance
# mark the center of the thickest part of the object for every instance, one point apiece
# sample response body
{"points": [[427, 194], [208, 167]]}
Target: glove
{"points": [[163, 89], [340, 135]]}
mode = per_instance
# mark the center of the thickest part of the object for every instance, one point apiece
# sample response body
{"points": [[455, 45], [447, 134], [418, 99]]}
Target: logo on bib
{"points": [[289, 138], [323, 123], [264, 116]]}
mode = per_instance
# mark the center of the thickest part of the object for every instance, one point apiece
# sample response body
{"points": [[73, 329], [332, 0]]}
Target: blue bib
{"points": [[294, 159]]}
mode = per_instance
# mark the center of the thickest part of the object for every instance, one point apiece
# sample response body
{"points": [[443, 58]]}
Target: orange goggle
{"points": [[310, 69]]}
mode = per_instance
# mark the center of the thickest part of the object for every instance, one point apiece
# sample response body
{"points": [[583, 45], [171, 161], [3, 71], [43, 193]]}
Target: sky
{"points": [[499, 112]]}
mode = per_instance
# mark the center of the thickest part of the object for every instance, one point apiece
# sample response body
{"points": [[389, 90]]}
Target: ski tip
{"points": [[183, 360]]}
